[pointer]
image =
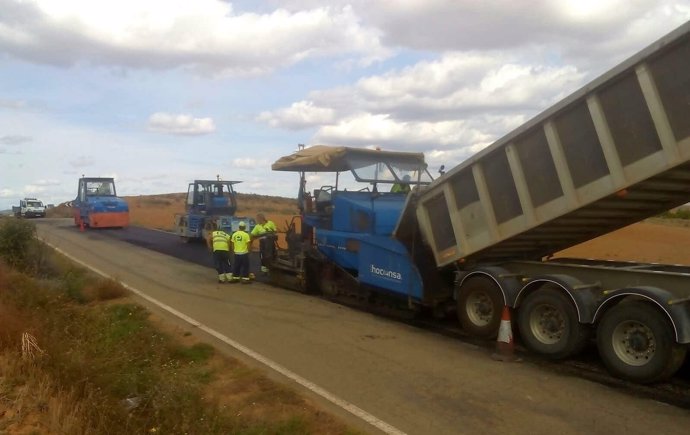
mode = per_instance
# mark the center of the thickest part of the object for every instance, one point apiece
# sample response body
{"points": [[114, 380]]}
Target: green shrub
{"points": [[72, 284], [680, 213], [17, 243], [197, 353]]}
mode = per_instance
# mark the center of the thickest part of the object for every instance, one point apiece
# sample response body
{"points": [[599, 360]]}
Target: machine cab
{"points": [[369, 189], [91, 187], [211, 197]]}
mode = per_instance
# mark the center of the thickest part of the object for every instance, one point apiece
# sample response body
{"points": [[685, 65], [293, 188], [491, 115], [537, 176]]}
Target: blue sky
{"points": [[160, 92]]}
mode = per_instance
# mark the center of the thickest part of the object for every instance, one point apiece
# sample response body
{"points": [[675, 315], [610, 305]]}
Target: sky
{"points": [[157, 93]]}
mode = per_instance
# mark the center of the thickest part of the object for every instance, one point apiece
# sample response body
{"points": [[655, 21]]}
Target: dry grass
{"points": [[101, 349], [104, 289], [31, 402]]}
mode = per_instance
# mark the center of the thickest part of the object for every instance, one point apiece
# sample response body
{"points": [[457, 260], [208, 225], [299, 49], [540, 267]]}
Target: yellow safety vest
{"points": [[221, 241], [268, 227], [400, 188], [240, 242]]}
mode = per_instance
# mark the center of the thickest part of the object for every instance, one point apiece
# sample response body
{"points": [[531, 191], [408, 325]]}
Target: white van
{"points": [[30, 207]]}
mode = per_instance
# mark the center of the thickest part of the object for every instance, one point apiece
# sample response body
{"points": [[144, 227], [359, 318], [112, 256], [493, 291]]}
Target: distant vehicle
{"points": [[97, 205], [209, 202], [29, 207]]}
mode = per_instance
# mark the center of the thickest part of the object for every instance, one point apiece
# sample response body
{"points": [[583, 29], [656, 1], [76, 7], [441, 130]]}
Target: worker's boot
{"points": [[221, 278], [228, 277]]}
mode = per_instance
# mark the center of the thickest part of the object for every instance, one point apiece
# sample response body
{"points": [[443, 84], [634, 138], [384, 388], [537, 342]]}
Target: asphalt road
{"points": [[415, 381], [170, 244]]}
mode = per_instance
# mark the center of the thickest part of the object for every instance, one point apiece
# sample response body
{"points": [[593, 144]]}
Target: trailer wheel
{"points": [[480, 303], [636, 342], [549, 325]]}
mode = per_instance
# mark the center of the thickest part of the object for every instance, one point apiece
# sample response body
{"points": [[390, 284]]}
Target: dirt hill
{"points": [[158, 211]]}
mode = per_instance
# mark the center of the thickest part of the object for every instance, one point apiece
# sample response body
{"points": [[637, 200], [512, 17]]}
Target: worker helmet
{"points": [[242, 224]]}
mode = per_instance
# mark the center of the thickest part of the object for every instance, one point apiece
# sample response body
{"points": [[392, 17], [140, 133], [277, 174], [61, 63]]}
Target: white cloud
{"points": [[302, 114], [249, 163], [49, 182], [82, 161], [7, 193], [181, 124], [11, 104], [461, 101], [380, 130], [590, 31], [206, 35], [447, 88], [464, 73], [32, 189], [14, 139], [458, 83]]}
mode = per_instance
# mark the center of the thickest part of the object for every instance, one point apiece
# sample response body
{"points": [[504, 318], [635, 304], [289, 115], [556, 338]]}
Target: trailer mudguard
{"points": [[582, 295], [678, 314], [508, 282]]}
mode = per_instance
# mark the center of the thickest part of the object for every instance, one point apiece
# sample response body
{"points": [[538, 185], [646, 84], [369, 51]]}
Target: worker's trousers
{"points": [[221, 261], [240, 267]]}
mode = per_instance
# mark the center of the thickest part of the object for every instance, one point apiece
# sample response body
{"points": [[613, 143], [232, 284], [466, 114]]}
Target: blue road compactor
{"points": [[209, 204]]}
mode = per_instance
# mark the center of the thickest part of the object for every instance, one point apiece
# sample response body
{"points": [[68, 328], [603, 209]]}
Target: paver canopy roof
{"points": [[324, 158]]}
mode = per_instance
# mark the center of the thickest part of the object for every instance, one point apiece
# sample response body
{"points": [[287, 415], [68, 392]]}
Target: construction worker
{"points": [[263, 228], [219, 242], [240, 245], [403, 187]]}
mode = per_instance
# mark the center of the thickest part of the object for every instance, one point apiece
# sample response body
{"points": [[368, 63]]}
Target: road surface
{"points": [[410, 380]]}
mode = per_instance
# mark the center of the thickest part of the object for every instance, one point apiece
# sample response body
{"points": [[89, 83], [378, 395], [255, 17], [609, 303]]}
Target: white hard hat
{"points": [[242, 224]]}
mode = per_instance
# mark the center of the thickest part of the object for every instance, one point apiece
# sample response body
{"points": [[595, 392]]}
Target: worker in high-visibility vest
{"points": [[218, 241], [403, 187], [240, 246], [264, 227]]}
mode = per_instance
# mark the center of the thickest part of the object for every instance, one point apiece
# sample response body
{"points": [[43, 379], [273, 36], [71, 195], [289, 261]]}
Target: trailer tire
{"points": [[549, 325], [479, 307], [636, 342]]}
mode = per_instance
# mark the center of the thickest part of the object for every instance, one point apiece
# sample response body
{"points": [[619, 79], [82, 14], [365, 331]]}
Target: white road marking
{"points": [[344, 404]]}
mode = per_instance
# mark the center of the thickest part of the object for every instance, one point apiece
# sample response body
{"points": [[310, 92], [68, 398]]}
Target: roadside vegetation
{"points": [[678, 213], [77, 356]]}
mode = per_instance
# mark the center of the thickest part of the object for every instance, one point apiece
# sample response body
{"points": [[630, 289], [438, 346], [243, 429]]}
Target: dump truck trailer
{"points": [[613, 153], [480, 237]]}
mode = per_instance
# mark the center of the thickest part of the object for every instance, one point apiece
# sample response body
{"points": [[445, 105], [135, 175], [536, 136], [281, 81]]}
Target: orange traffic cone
{"points": [[505, 348]]}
